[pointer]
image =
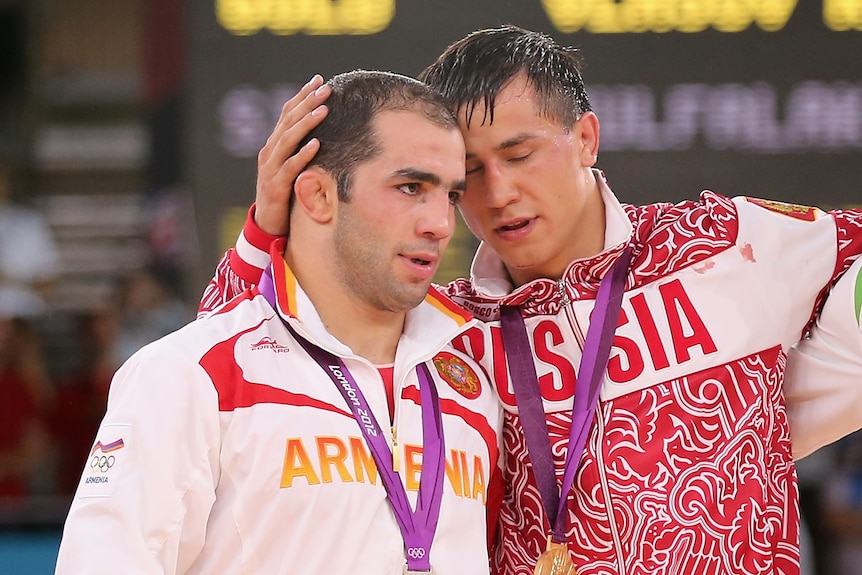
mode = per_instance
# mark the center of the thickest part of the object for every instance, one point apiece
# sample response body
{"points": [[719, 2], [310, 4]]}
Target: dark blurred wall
{"points": [[13, 71], [168, 210], [761, 99]]}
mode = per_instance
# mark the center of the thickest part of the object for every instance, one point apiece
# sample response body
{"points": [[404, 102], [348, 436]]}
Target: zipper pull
{"points": [[396, 452], [564, 293]]}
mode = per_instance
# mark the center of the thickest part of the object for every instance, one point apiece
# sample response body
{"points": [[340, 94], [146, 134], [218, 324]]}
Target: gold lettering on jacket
{"points": [[329, 459]]}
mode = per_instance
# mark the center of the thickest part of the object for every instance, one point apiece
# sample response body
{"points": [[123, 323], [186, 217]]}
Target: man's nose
{"points": [[438, 216], [500, 189]]}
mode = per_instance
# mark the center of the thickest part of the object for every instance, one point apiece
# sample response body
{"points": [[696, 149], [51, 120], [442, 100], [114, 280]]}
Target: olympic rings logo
{"points": [[102, 462], [415, 552]]}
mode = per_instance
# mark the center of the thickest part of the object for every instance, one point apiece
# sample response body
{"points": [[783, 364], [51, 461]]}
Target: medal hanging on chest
{"points": [[417, 526], [556, 560]]}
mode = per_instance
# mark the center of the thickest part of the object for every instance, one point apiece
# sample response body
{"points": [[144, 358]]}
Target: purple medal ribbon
{"points": [[417, 527], [528, 396]]}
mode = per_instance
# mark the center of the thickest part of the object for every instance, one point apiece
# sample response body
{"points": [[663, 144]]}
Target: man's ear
{"points": [[587, 131], [316, 194]]}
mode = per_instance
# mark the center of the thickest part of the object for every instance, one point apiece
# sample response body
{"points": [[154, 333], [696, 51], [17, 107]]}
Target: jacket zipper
{"points": [[564, 293], [396, 455]]}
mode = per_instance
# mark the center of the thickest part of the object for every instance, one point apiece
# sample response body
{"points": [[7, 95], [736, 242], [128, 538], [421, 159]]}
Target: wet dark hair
{"points": [[473, 70], [347, 137]]}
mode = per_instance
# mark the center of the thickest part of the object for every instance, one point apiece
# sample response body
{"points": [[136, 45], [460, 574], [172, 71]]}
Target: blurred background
{"points": [[128, 138]]}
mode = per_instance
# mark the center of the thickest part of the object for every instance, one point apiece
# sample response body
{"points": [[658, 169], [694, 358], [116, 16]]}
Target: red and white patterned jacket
{"points": [[688, 467]]}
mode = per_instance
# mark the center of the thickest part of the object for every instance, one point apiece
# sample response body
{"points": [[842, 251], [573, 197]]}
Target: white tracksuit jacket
{"points": [[227, 450], [688, 467]]}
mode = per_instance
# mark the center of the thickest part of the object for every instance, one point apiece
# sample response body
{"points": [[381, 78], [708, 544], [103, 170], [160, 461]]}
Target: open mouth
{"points": [[514, 226], [421, 266]]}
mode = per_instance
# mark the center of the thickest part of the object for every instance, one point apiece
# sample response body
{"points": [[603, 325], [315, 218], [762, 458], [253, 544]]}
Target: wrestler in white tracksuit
{"points": [[226, 449], [688, 466]]}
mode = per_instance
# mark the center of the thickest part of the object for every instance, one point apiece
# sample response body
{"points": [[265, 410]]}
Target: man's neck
{"points": [[555, 270], [369, 332], [370, 336]]}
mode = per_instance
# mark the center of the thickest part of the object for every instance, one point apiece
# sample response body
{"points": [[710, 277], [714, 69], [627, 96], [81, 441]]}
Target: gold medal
{"points": [[555, 560]]}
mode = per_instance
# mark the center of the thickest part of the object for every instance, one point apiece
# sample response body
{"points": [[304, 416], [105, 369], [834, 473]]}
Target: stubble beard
{"points": [[365, 271]]}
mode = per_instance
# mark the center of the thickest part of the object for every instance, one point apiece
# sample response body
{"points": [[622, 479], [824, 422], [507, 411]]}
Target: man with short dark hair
{"points": [[677, 457], [321, 423]]}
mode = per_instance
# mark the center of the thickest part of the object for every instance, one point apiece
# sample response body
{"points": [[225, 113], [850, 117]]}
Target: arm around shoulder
{"points": [[240, 268]]}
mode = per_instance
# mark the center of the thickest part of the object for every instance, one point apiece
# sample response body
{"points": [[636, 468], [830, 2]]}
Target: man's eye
{"points": [[473, 169], [520, 157], [410, 189], [455, 197]]}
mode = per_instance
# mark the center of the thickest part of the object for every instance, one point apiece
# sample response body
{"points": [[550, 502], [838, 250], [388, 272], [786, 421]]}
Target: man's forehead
{"points": [[415, 147], [393, 123], [518, 91]]}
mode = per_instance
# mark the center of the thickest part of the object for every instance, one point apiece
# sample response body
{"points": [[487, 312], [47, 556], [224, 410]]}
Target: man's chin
{"points": [[408, 298]]}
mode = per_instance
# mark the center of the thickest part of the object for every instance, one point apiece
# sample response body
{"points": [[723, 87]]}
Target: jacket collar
{"points": [[427, 328]]}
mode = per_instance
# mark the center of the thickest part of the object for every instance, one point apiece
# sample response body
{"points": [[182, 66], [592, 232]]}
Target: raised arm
{"points": [[278, 164]]}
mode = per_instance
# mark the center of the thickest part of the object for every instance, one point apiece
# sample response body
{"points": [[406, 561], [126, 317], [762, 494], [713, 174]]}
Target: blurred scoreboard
{"points": [[754, 97]]}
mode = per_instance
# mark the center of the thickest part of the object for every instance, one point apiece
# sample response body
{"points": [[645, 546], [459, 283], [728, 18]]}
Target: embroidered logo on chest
{"points": [[457, 374], [270, 344]]}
